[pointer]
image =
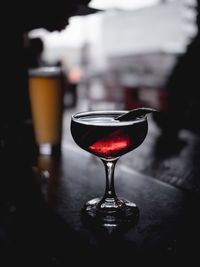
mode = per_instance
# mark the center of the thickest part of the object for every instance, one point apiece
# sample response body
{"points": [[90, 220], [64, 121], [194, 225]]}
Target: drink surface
{"points": [[105, 137]]}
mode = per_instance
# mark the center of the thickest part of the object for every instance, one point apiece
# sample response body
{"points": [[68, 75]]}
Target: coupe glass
{"points": [[99, 133]]}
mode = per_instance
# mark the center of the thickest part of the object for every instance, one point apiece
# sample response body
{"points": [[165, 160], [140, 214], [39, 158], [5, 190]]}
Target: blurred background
{"points": [[120, 57]]}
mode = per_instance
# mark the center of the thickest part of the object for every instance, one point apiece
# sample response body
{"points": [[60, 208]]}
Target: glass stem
{"points": [[110, 202]]}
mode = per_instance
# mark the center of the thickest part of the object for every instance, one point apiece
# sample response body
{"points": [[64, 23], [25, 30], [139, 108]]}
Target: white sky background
{"points": [[87, 28], [122, 4], [83, 28], [79, 30]]}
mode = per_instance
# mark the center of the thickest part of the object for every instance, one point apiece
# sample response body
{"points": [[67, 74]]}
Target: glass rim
{"points": [[96, 112], [46, 71]]}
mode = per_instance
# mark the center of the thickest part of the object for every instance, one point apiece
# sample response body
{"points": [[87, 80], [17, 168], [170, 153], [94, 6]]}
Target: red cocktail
{"points": [[99, 133]]}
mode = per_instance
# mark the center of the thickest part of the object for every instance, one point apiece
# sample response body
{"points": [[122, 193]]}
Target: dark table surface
{"points": [[40, 214]]}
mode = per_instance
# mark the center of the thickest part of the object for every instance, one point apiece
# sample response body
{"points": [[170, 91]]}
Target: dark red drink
{"points": [[100, 134]]}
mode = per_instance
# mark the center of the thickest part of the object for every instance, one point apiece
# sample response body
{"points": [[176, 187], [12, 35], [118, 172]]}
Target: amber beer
{"points": [[46, 99]]}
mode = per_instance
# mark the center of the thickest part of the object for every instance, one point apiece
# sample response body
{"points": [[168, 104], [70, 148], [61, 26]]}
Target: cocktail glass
{"points": [[99, 133]]}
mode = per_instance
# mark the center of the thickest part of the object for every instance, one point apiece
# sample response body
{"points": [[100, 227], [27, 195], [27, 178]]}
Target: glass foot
{"points": [[125, 216]]}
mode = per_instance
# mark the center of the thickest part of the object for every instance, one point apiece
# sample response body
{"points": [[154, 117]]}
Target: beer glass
{"points": [[46, 99]]}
